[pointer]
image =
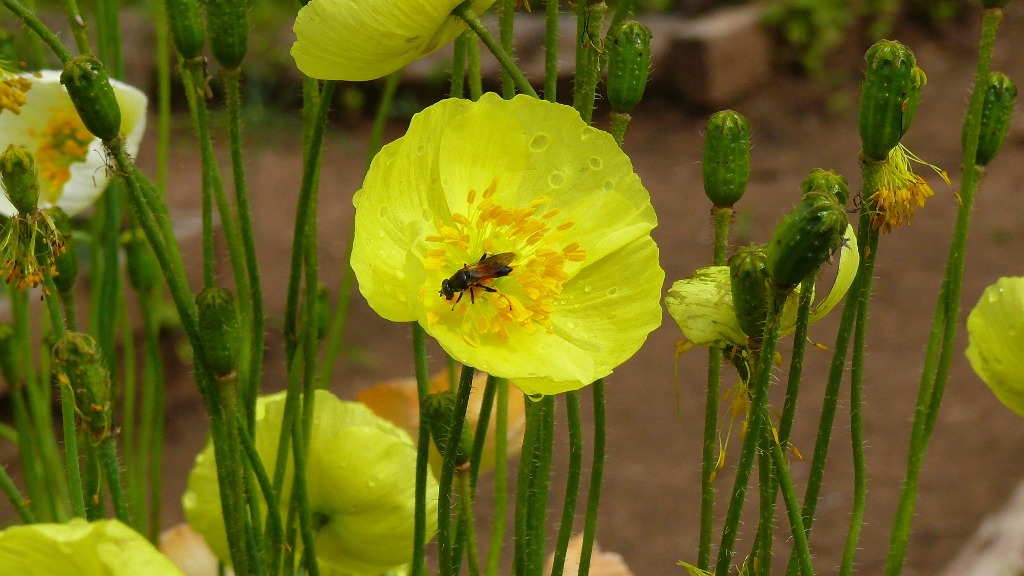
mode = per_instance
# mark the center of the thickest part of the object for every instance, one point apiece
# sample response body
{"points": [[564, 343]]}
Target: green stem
{"points": [[476, 454], [929, 401], [67, 404], [419, 347], [129, 425], [623, 8], [70, 311], [459, 65], [37, 26], [467, 523], [107, 281], [28, 452], [766, 491], [476, 89], [151, 437], [589, 46], [112, 472], [620, 122], [789, 496], [233, 486], [524, 484], [444, 498], [163, 74], [500, 481], [108, 37], [572, 487], [302, 498], [77, 24], [21, 506], [95, 503], [796, 362], [274, 528], [465, 11], [756, 412], [540, 476], [551, 50], [506, 21], [596, 476]]}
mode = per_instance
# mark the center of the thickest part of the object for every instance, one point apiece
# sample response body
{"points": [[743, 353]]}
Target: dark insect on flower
{"points": [[469, 277]]}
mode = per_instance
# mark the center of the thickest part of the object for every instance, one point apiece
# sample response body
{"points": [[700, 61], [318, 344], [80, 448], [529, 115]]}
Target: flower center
{"points": [[12, 92], [65, 141], [526, 296]]}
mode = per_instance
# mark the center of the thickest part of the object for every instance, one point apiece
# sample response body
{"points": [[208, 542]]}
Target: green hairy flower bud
{"points": [[726, 157], [439, 409], [218, 329], [919, 79], [885, 95], [228, 22], [827, 181], [66, 263], [1000, 93], [77, 364], [805, 239], [186, 24], [629, 65], [144, 272], [18, 174], [748, 278], [89, 88]]}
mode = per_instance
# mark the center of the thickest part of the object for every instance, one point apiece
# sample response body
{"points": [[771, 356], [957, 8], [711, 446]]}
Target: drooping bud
{"points": [[186, 25], [144, 272], [228, 22], [323, 310], [89, 87], [885, 96], [439, 409], [77, 364], [65, 263], [918, 80], [726, 157], [18, 174], [1000, 93], [828, 181], [218, 330], [805, 239], [629, 65], [748, 278]]}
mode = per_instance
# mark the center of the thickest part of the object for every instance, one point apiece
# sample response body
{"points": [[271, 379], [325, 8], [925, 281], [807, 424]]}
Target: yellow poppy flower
{"points": [[702, 304], [80, 548], [360, 477], [398, 401], [367, 39], [527, 181], [996, 332], [71, 163]]}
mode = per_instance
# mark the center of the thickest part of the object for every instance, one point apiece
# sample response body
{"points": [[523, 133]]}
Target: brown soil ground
{"points": [[650, 505]]}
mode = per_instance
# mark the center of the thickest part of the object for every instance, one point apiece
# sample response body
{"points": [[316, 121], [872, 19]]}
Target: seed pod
{"points": [[77, 363], [66, 263], [186, 25], [805, 239], [748, 278], [144, 272], [89, 88], [919, 79], [827, 181], [439, 409], [726, 157], [1000, 93], [228, 22], [888, 83], [323, 311], [218, 330], [18, 174], [629, 65]]}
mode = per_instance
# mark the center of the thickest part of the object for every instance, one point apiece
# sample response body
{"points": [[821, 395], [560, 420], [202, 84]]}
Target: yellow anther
{"points": [[471, 197], [552, 213], [565, 226]]}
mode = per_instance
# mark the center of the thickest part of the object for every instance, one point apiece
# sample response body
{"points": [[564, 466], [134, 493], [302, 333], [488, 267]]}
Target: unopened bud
{"points": [[439, 409], [748, 278], [89, 87], [889, 83], [77, 364], [228, 23], [218, 330], [18, 174], [726, 157], [186, 25], [629, 65], [144, 272], [827, 181], [66, 262], [1000, 93], [805, 239]]}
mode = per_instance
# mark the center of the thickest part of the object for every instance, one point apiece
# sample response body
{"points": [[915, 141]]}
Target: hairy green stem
{"points": [[540, 476], [274, 528], [500, 480], [524, 484], [589, 47], [67, 405], [163, 75], [302, 498], [596, 477], [506, 21], [467, 524], [70, 310], [112, 472], [419, 348], [766, 491], [444, 498], [151, 437], [465, 11], [476, 88], [95, 503], [20, 504], [620, 123], [45, 34], [551, 50], [789, 496], [459, 65], [572, 486]]}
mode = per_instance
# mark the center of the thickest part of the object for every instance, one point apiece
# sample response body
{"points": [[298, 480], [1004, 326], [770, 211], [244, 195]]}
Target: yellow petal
{"points": [[702, 307], [849, 261], [996, 332]]}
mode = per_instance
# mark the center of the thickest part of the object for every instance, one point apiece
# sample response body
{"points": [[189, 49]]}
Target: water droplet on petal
{"points": [[609, 185], [381, 233], [596, 163], [588, 133], [383, 211], [556, 180], [587, 289], [540, 142], [421, 149], [613, 291], [372, 481], [399, 273]]}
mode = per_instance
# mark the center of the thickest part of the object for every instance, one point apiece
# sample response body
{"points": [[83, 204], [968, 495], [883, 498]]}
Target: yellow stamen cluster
{"points": [[12, 91], [65, 141], [900, 191], [527, 296], [30, 244]]}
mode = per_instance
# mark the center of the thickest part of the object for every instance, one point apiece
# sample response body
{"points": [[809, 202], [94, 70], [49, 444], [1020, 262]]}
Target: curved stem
{"points": [[465, 11], [20, 504], [789, 496], [112, 472], [596, 476], [37, 26]]}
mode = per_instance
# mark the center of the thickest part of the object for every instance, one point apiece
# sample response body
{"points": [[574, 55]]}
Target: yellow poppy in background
{"points": [[529, 179], [996, 332]]}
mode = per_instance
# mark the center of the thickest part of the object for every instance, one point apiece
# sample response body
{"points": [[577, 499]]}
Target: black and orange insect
{"points": [[471, 276]]}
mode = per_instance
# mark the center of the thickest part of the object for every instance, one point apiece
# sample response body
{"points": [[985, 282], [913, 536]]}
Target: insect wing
{"points": [[490, 266]]}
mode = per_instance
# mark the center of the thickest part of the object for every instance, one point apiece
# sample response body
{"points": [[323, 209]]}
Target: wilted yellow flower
{"points": [[900, 191], [72, 168], [996, 332], [367, 39], [528, 181], [360, 474], [702, 304], [398, 401], [80, 548]]}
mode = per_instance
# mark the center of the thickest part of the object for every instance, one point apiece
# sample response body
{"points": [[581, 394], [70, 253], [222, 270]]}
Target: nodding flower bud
{"points": [[748, 278], [228, 22], [884, 97], [805, 239], [829, 181], [918, 80], [629, 65], [18, 174], [89, 87], [66, 262], [439, 409], [726, 157], [323, 311], [1000, 93], [77, 364], [144, 272], [218, 330], [186, 25]]}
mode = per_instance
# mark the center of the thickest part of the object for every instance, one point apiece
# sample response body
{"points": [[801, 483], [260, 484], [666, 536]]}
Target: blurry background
{"points": [[792, 67]]}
